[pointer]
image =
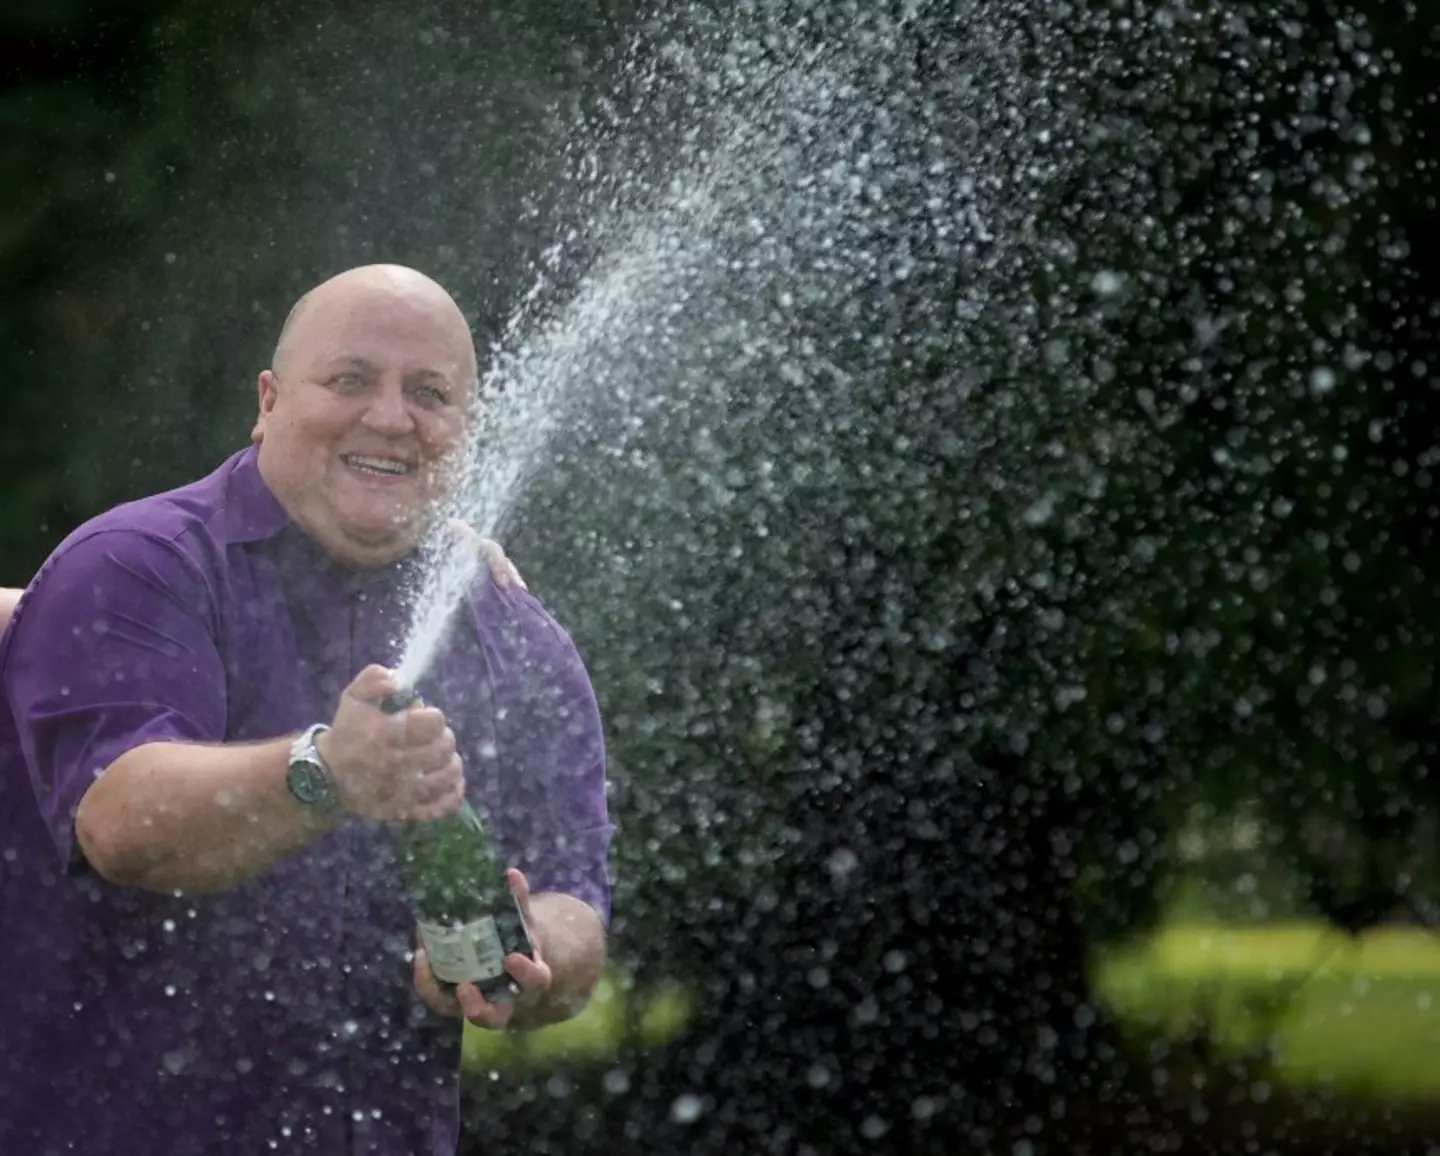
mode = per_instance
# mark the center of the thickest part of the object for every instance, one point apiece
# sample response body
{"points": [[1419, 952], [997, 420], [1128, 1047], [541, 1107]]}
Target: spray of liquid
{"points": [[788, 210], [523, 400]]}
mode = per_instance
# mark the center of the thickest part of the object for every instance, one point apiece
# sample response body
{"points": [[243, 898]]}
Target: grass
{"points": [[1311, 1007], [1298, 1002], [616, 1016]]}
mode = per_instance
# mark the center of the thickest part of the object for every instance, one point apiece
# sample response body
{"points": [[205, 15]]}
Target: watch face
{"points": [[308, 784]]}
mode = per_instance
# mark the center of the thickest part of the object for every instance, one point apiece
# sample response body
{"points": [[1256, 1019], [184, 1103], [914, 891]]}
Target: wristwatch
{"points": [[308, 778]]}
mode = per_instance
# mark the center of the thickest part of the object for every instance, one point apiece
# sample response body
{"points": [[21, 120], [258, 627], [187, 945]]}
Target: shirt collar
{"points": [[251, 512]]}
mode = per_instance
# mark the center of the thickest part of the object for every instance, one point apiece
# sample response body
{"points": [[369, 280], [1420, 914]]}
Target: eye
{"points": [[347, 382], [431, 395]]}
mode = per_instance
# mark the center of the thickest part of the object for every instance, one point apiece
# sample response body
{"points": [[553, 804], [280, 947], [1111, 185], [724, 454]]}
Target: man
{"points": [[199, 956]]}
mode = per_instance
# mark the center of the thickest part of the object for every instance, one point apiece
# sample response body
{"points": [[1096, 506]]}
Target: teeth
{"points": [[378, 465]]}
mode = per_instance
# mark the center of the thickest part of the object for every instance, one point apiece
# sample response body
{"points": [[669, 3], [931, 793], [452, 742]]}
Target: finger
{"points": [[501, 568], [520, 888], [436, 998], [424, 725], [372, 684], [480, 1011], [431, 787], [412, 764], [447, 804], [439, 753], [465, 532], [487, 550], [533, 975], [439, 772]]}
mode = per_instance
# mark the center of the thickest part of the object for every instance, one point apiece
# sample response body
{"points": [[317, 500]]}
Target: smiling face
{"points": [[364, 414]]}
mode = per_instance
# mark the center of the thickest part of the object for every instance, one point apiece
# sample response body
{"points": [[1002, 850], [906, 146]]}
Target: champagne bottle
{"points": [[453, 871]]}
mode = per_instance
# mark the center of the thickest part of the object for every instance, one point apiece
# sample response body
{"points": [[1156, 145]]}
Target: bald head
{"points": [[405, 285], [365, 409]]}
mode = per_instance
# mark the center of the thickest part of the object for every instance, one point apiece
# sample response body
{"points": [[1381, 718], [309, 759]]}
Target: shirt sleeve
{"points": [[552, 754], [111, 648]]}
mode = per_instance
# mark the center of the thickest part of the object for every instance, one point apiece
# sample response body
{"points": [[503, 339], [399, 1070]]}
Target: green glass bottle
{"points": [[453, 870]]}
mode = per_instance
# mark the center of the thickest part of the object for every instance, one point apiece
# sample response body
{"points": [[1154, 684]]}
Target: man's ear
{"points": [[269, 392]]}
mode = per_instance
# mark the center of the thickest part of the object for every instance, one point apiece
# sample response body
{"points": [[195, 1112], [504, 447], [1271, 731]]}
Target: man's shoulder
{"points": [[516, 621], [166, 548], [533, 663], [184, 520], [170, 544]]}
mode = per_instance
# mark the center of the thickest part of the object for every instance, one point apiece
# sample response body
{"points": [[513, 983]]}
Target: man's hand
{"points": [[532, 975], [391, 766], [501, 568]]}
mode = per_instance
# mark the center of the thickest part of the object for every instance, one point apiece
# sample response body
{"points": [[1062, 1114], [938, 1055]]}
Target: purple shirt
{"points": [[279, 1016]]}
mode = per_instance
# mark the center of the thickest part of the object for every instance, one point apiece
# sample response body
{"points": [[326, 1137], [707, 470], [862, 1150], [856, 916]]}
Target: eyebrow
{"points": [[369, 367], [355, 362]]}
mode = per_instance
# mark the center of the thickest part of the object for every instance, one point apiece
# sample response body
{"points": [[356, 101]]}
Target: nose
{"points": [[388, 412]]}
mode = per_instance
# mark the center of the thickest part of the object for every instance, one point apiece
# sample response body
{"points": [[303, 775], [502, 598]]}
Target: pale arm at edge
{"points": [[8, 598]]}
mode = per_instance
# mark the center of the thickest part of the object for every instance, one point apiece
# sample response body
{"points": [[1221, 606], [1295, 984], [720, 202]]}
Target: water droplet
{"points": [[1107, 283], [687, 1108]]}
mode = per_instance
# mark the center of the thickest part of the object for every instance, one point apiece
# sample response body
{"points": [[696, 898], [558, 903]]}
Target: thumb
{"points": [[372, 684]]}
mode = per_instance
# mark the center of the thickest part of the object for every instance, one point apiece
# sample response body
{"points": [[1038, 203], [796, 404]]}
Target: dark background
{"points": [[1260, 406]]}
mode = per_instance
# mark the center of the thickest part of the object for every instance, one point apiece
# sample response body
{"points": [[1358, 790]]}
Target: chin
{"points": [[371, 549]]}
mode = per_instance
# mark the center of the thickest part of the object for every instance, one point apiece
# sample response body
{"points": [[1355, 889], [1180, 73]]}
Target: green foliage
{"points": [[107, 165], [619, 1016], [1297, 1003], [180, 173]]}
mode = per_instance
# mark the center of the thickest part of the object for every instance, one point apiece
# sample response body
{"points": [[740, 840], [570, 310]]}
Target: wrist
{"points": [[322, 750], [337, 809], [309, 776]]}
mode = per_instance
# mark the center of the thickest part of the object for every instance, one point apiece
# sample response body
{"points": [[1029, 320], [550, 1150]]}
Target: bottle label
{"points": [[465, 952]]}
